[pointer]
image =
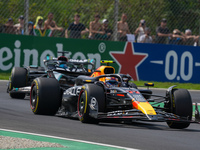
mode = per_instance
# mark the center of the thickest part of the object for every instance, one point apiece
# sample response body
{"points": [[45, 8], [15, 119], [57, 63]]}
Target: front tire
{"points": [[18, 79], [87, 93], [45, 96], [182, 106]]}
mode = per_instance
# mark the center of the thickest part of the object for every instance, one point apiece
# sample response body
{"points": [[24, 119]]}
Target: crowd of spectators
{"points": [[76, 29], [99, 29]]}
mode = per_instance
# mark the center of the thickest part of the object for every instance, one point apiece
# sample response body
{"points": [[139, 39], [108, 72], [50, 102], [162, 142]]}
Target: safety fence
{"points": [[105, 19]]}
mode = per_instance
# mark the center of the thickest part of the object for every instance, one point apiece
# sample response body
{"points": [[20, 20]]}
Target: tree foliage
{"points": [[181, 14]]}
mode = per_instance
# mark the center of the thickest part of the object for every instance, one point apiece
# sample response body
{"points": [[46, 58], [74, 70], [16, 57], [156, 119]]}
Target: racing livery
{"points": [[105, 95], [21, 77]]}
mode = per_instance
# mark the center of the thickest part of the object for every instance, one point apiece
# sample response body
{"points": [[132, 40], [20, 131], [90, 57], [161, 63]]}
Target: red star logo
{"points": [[128, 60]]}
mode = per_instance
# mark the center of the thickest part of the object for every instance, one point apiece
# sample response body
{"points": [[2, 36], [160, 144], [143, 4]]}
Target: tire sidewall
{"points": [[34, 94], [84, 113], [90, 91], [47, 95], [181, 105], [19, 77]]}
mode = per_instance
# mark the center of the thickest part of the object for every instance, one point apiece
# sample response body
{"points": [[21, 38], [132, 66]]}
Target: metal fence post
{"points": [[26, 16], [116, 12]]}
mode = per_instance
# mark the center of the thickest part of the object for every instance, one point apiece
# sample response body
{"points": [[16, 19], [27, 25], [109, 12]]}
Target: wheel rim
{"points": [[33, 97], [81, 104]]}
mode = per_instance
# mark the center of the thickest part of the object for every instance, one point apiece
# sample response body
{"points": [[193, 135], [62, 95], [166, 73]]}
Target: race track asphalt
{"points": [[16, 115]]}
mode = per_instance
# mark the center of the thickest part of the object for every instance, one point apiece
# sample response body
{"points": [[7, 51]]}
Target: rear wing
{"points": [[107, 62]]}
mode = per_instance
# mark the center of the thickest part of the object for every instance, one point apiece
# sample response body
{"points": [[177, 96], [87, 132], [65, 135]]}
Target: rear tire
{"points": [[88, 92], [45, 96], [18, 79], [181, 106]]}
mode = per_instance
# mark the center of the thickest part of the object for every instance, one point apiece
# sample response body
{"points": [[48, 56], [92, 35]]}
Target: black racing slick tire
{"points": [[45, 96], [18, 79], [88, 94], [182, 106]]}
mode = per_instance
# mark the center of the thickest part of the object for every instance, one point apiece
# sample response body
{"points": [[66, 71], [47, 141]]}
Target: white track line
{"points": [[197, 104], [4, 80], [61, 138]]}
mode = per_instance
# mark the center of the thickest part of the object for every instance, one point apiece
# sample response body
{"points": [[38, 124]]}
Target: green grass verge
{"points": [[4, 76], [189, 86]]}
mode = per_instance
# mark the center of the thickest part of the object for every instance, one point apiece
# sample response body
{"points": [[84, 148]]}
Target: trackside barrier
{"points": [[150, 62]]}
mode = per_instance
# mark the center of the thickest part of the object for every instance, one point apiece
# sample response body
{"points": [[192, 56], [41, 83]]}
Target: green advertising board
{"points": [[21, 50]]}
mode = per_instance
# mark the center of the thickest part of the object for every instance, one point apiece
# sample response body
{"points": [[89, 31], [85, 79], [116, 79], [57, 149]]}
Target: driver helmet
{"points": [[111, 81], [63, 58]]}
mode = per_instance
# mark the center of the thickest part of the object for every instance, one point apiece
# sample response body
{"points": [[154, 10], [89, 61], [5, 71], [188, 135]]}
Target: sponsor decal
{"points": [[172, 62], [129, 56], [102, 47], [93, 106], [93, 101], [147, 62], [74, 91], [113, 91], [32, 56], [78, 61]]}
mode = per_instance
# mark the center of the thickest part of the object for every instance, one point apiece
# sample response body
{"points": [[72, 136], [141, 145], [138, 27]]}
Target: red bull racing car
{"points": [[105, 95]]}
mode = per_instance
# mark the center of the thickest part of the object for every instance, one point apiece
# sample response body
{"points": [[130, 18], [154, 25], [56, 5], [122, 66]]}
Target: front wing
{"points": [[137, 115]]}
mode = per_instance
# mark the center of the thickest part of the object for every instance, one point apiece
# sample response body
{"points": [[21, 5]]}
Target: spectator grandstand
{"points": [[181, 15]]}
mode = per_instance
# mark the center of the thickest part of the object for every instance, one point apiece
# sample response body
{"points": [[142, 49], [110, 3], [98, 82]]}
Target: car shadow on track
{"points": [[146, 126], [27, 98], [140, 125]]}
